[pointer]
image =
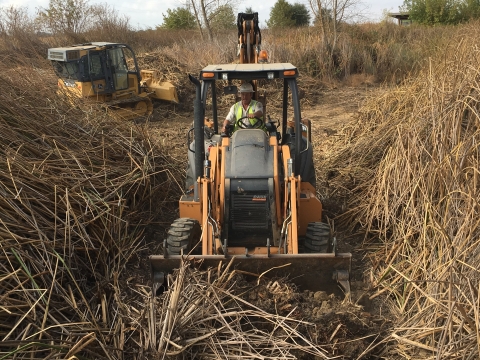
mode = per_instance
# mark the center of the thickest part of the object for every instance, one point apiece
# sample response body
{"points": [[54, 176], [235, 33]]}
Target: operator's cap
{"points": [[246, 88]]}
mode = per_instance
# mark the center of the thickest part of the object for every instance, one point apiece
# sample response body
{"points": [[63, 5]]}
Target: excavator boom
{"points": [[249, 38]]}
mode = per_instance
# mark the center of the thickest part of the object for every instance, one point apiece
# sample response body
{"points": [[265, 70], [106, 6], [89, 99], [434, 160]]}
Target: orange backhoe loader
{"points": [[253, 199], [108, 73]]}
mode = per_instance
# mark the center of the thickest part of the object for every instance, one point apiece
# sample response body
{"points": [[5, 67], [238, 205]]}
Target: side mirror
{"points": [[230, 89]]}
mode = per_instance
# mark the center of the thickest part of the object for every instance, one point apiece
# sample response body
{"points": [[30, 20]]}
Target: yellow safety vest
{"points": [[251, 109]]}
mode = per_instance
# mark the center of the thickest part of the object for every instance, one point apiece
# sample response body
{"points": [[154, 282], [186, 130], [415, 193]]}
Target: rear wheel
{"points": [[184, 234], [317, 238]]}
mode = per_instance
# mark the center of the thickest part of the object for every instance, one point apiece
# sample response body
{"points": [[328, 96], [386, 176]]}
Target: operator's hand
{"points": [[257, 114], [225, 124]]}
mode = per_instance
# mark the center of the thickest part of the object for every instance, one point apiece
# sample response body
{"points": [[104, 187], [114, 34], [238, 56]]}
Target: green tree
{"points": [[249, 10], [301, 15], [223, 18], [179, 18], [431, 12], [65, 16], [470, 9], [281, 15]]}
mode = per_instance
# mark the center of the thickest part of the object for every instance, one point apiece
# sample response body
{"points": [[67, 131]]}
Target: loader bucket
{"points": [[308, 271]]}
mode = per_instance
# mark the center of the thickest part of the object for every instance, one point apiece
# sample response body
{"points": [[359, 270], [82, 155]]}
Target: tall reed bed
{"points": [[78, 191], [411, 165]]}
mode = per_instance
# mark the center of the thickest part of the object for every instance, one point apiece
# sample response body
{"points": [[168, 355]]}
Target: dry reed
{"points": [[204, 315], [78, 188], [77, 191], [410, 166]]}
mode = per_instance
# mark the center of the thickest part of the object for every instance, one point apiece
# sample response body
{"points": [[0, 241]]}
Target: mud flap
{"points": [[308, 271]]}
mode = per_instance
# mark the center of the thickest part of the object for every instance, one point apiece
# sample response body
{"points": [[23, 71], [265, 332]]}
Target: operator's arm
{"points": [[258, 111], [229, 119], [225, 124], [256, 114]]}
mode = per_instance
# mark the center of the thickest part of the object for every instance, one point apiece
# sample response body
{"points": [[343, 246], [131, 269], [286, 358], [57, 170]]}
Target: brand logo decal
{"points": [[259, 198]]}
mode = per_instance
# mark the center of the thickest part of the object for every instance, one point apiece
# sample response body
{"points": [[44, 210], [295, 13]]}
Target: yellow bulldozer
{"points": [[252, 199], [108, 73]]}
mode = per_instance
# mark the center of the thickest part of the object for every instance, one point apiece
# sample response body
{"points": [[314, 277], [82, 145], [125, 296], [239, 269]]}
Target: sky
{"points": [[144, 14]]}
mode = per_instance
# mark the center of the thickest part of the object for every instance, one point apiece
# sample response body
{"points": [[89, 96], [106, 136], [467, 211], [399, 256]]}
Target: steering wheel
{"points": [[258, 124]]}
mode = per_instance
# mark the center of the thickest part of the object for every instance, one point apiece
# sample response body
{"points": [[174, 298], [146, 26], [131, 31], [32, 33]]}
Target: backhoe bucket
{"points": [[307, 271]]}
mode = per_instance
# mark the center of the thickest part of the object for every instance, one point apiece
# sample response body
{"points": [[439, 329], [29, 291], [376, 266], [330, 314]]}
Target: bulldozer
{"points": [[252, 200], [108, 73]]}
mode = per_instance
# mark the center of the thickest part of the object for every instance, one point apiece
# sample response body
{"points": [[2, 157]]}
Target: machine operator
{"points": [[247, 109]]}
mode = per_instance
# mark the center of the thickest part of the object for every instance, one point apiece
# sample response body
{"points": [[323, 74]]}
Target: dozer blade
{"points": [[308, 271], [160, 90], [164, 91]]}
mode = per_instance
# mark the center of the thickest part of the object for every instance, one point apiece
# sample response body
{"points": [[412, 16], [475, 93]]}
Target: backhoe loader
{"points": [[253, 199], [108, 73]]}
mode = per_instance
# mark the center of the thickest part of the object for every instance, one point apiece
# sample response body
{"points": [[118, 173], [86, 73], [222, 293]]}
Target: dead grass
{"points": [[204, 315], [409, 166], [78, 190], [383, 52]]}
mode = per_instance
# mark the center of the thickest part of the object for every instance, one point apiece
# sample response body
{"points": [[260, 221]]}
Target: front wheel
{"points": [[183, 235], [318, 238]]}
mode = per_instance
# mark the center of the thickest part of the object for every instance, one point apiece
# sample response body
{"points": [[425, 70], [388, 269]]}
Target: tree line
{"points": [[62, 17], [79, 16], [223, 15], [444, 12]]}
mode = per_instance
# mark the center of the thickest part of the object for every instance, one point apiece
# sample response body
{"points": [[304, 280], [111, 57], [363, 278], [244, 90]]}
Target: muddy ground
{"points": [[351, 329]]}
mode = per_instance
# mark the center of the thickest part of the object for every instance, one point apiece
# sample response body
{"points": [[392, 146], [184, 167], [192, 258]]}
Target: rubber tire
{"points": [[184, 234], [317, 238]]}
